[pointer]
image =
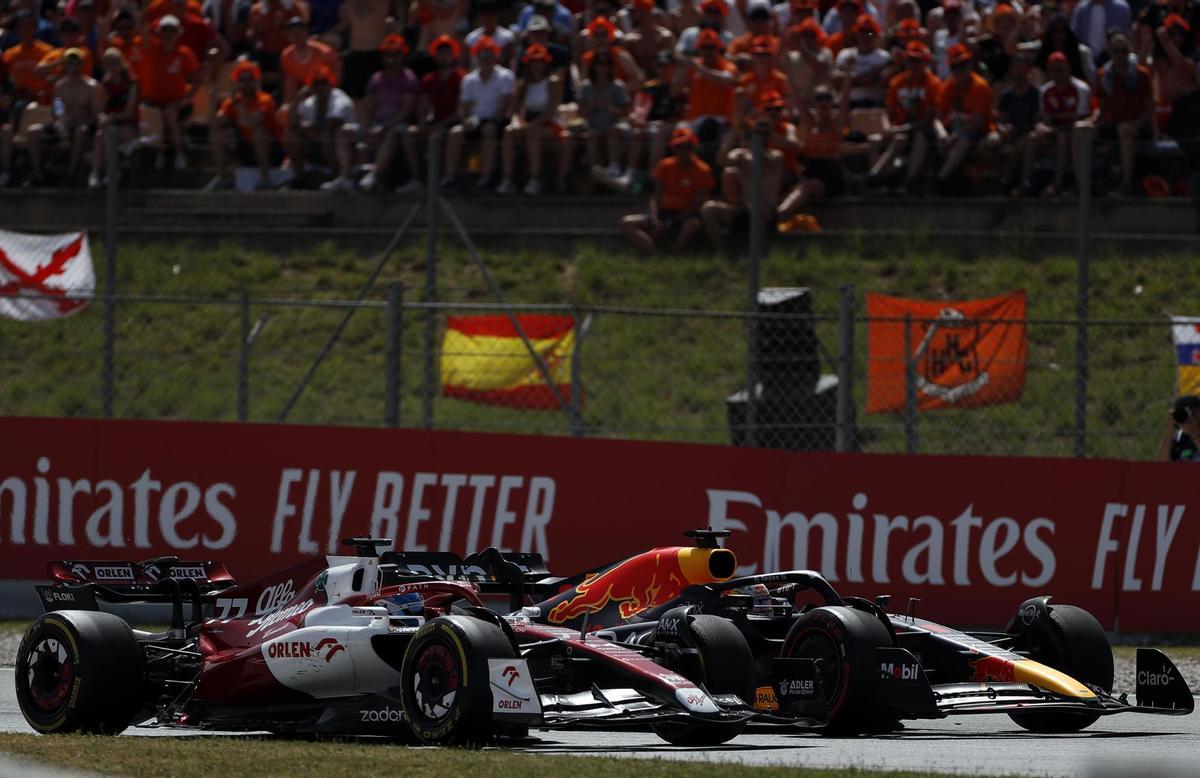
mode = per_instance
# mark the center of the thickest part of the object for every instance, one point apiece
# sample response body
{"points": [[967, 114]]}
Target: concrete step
{"points": [[160, 215]]}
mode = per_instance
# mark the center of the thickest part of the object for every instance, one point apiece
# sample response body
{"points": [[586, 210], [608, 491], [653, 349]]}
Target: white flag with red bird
{"points": [[44, 276]]}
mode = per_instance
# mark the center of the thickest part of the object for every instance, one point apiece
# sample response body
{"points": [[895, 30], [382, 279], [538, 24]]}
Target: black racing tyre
{"points": [[445, 685], [79, 671], [1072, 641], [843, 641], [726, 667]]}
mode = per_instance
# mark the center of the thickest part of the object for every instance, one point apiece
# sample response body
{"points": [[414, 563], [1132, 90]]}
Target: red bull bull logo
{"points": [[642, 582], [992, 668]]}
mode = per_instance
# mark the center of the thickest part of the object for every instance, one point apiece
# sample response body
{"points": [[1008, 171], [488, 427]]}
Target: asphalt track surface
{"points": [[1123, 745]]}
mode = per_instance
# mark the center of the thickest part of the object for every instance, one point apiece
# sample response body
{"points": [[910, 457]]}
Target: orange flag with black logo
{"points": [[965, 354]]}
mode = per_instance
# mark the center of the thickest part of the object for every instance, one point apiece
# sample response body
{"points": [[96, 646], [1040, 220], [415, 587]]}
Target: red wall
{"points": [[971, 537]]}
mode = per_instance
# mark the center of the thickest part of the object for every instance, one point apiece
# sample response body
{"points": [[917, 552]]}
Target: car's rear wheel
{"points": [[842, 642], [445, 686], [1070, 640], [726, 666], [79, 671]]}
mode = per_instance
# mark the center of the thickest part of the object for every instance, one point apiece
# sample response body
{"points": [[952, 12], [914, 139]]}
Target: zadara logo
{"points": [[299, 649], [382, 715]]}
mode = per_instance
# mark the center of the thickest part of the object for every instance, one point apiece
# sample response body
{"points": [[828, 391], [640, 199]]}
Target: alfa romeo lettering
{"points": [[273, 597]]}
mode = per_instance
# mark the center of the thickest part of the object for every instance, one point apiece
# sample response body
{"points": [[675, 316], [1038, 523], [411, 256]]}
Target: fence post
{"points": [[392, 378], [108, 377], [845, 368], [431, 200], [577, 378], [1084, 173], [755, 270], [910, 389], [243, 376]]}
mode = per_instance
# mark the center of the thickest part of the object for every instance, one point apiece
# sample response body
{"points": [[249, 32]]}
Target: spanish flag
{"points": [[485, 361], [1185, 331]]}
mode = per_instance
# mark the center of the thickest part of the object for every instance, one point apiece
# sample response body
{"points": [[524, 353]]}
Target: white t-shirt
{"points": [[340, 107], [861, 64], [485, 97]]}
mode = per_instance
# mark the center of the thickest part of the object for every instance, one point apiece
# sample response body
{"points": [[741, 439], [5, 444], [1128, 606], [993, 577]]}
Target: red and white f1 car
{"points": [[361, 644]]}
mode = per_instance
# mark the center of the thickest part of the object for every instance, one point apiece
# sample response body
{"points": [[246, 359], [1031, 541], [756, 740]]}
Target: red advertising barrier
{"points": [[971, 537]]}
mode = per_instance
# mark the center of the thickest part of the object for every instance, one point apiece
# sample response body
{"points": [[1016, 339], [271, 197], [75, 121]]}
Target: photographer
{"points": [[1183, 430]]}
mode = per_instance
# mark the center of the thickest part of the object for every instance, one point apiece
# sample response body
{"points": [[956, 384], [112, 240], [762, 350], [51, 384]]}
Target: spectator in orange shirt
{"points": [[71, 35], [764, 77], [121, 109], [965, 111], [266, 33], [708, 81], [21, 62], [246, 125], [758, 24], [848, 12], [911, 105], [682, 182], [167, 73], [302, 57], [196, 32]]}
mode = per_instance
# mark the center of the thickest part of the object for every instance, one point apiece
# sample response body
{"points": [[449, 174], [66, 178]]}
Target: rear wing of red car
{"points": [[514, 573], [81, 584]]}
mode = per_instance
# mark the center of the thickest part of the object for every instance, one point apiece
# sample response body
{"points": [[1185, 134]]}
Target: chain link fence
{"points": [[632, 373]]}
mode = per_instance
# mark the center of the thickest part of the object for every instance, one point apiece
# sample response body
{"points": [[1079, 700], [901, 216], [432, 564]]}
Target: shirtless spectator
{"points": [[265, 31], [911, 104], [864, 65], [434, 19], [821, 133], [166, 74], [488, 23], [781, 152], [317, 130], [485, 104], [78, 101], [390, 107], [302, 56], [648, 35], [964, 112], [682, 183], [246, 125], [602, 37], [366, 22], [1063, 103], [438, 100], [122, 102], [808, 62], [1175, 69]]}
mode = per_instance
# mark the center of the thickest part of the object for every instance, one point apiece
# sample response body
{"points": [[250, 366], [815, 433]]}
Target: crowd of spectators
{"points": [[911, 96]]}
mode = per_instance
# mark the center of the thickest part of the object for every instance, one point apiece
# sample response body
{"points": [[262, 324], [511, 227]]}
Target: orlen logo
{"points": [[511, 674], [1147, 678], [382, 715], [112, 573], [80, 570], [299, 649], [900, 672]]}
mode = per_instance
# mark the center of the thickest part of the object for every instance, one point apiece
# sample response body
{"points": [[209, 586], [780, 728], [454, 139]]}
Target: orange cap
{"points": [[644, 5], [958, 54], [683, 137], [809, 26], [394, 44], [537, 52], [715, 5], [245, 66], [602, 23], [916, 50], [865, 23], [485, 43], [710, 39], [445, 41], [771, 99], [322, 73], [763, 44]]}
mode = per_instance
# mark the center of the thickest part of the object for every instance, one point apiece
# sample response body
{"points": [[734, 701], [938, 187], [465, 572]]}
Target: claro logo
{"points": [[1147, 678], [862, 547]]}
